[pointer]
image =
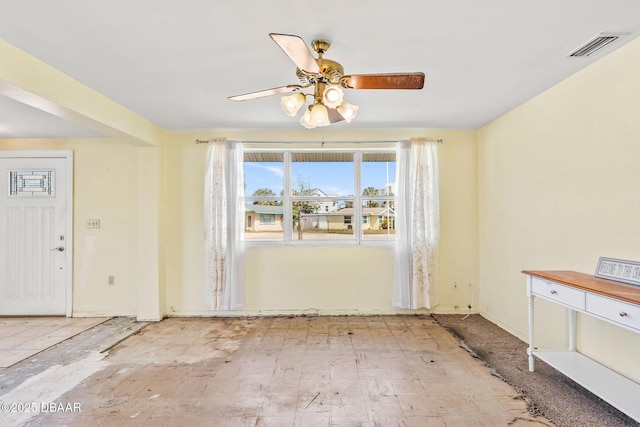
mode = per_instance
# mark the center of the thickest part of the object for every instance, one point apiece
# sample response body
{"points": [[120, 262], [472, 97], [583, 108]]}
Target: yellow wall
{"points": [[331, 279], [558, 187], [150, 206], [105, 188], [117, 179]]}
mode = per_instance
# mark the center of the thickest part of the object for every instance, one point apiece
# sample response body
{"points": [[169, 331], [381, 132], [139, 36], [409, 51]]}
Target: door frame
{"points": [[68, 156]]}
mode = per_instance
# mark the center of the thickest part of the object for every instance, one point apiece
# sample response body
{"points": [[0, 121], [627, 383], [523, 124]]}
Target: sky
{"points": [[334, 178]]}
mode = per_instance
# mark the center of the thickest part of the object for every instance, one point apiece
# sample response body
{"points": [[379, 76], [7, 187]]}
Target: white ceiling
{"points": [[176, 62]]}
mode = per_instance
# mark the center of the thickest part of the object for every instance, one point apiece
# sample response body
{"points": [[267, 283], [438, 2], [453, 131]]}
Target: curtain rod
{"points": [[198, 141]]}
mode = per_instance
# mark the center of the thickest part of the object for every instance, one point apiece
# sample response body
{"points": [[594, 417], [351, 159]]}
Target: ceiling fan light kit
{"points": [[332, 96], [328, 81], [291, 103], [348, 111], [316, 115]]}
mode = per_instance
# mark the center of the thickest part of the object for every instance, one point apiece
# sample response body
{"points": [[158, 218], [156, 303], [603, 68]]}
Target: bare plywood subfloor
{"points": [[299, 371]]}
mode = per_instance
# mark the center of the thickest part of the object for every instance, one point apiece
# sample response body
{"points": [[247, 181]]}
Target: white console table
{"points": [[609, 301]]}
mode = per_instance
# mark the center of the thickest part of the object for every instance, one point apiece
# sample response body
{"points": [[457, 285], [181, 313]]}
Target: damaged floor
{"points": [[549, 392], [298, 371], [22, 337]]}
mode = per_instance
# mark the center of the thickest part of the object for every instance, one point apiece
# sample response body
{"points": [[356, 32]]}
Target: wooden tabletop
{"points": [[587, 282]]}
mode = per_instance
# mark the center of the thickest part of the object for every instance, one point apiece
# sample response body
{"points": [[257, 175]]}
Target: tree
{"points": [[264, 192], [371, 192], [302, 188], [300, 207]]}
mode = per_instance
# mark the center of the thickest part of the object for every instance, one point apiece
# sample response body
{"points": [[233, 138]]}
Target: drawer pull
{"points": [[553, 292], [622, 314]]}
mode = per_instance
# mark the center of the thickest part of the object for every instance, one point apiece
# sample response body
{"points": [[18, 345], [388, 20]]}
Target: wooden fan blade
{"points": [[334, 115], [384, 81], [297, 50], [268, 92]]}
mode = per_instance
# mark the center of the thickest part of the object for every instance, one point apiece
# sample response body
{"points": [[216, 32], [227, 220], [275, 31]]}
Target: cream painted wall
{"points": [[114, 180], [558, 188], [105, 187], [327, 279]]}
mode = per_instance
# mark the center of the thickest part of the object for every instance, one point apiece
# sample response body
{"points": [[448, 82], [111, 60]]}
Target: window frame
{"points": [[288, 198]]}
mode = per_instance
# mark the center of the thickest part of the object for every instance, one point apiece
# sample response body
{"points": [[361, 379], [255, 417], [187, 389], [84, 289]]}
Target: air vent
{"points": [[595, 44]]}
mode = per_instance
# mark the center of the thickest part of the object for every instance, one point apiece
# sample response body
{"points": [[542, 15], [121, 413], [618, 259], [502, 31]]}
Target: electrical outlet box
{"points": [[93, 223], [111, 280]]}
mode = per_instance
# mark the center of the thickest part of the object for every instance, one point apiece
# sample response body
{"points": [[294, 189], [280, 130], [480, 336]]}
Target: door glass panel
{"points": [[31, 183]]}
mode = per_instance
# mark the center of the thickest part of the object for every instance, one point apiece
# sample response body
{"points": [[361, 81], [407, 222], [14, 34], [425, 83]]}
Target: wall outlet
{"points": [[93, 223], [111, 280]]}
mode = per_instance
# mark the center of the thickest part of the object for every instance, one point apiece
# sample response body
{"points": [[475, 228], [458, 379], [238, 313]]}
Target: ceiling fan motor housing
{"points": [[330, 72]]}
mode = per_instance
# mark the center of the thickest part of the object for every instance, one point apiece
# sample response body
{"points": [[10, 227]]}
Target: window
{"points": [[31, 183], [264, 191], [378, 189], [267, 219], [313, 196]]}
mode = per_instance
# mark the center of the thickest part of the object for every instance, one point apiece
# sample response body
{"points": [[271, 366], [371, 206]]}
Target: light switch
{"points": [[93, 223]]}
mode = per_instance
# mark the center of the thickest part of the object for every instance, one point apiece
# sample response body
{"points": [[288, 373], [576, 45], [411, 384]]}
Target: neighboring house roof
{"points": [[264, 209], [316, 192]]}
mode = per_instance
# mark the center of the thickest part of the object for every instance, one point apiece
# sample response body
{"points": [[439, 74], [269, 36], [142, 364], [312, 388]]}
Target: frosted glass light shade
{"points": [[320, 116], [305, 120], [348, 111], [332, 96], [291, 104]]}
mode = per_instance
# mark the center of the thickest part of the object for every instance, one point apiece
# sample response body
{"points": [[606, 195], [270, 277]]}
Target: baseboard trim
{"points": [[307, 312]]}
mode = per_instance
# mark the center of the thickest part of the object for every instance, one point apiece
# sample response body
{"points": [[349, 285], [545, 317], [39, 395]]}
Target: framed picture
{"points": [[619, 270]]}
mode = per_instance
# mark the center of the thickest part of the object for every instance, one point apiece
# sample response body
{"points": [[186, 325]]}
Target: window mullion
{"points": [[287, 205], [357, 199]]}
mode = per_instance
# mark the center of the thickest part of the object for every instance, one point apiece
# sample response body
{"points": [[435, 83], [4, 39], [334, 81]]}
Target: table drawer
{"points": [[616, 311], [559, 293]]}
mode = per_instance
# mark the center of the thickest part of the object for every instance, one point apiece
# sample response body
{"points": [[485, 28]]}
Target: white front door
{"points": [[34, 234]]}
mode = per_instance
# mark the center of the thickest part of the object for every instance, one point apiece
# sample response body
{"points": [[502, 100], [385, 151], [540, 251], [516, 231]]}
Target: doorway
{"points": [[36, 232]]}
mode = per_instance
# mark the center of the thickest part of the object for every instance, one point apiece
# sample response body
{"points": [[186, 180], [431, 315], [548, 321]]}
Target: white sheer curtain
{"points": [[417, 225], [224, 226]]}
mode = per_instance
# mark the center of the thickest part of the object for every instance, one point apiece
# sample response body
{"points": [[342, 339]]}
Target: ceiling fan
{"points": [[327, 79]]}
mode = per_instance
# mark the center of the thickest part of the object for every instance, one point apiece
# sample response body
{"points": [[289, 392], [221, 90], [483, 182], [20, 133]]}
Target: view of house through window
{"points": [[264, 196], [318, 196]]}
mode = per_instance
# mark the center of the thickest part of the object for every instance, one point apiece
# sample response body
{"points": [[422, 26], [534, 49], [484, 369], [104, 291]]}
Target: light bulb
{"points": [[332, 96]]}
